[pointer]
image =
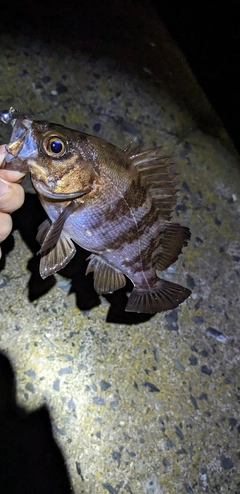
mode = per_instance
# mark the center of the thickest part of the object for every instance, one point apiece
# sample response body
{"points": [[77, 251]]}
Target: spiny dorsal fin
{"points": [[171, 241], [157, 175]]}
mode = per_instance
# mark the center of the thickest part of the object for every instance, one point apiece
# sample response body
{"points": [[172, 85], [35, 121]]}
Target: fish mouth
{"points": [[46, 192]]}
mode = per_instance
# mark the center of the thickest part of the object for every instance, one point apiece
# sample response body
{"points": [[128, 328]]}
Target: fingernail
{"points": [[3, 187]]}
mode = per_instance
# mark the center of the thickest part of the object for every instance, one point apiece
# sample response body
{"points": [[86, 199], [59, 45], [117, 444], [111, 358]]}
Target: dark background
{"points": [[208, 33]]}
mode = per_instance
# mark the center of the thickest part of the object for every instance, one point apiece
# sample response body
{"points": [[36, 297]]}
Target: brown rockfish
{"points": [[116, 204]]}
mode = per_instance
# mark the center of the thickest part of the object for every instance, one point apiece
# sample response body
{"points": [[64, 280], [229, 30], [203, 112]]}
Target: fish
{"points": [[117, 204]]}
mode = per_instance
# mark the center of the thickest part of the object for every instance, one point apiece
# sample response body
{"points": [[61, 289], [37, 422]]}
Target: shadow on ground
{"points": [[30, 459]]}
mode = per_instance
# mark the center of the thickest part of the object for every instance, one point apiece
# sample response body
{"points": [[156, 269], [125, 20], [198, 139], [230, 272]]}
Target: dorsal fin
{"points": [[157, 175], [170, 243]]}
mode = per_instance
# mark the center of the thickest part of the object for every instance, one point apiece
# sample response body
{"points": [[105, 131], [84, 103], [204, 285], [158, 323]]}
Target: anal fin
{"points": [[164, 296], [106, 278], [56, 258]]}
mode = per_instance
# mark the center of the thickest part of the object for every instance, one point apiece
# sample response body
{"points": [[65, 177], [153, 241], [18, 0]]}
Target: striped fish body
{"points": [[116, 204]]}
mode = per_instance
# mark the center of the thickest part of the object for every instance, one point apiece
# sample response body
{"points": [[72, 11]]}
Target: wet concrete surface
{"points": [[138, 404]]}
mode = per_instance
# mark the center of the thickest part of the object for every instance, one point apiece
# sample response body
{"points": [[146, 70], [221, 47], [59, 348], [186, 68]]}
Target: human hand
{"points": [[11, 196]]}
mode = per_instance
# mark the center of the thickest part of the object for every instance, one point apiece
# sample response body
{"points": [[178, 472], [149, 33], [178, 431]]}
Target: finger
{"points": [[9, 175], [11, 197], [6, 226], [12, 176], [3, 152]]}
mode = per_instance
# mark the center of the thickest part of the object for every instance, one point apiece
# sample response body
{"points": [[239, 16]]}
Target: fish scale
{"points": [[106, 236], [117, 204]]}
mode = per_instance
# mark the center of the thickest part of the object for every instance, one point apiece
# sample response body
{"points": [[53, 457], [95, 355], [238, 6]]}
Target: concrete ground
{"points": [[138, 405]]}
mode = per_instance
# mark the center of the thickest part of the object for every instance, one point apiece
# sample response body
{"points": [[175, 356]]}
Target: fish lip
{"points": [[46, 192]]}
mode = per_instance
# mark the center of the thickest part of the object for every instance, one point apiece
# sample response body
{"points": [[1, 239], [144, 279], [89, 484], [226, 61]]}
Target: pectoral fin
{"points": [[57, 249], [42, 231], [55, 230], [58, 257], [106, 278]]}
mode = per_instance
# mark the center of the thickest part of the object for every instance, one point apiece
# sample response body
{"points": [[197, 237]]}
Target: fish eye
{"points": [[55, 146]]}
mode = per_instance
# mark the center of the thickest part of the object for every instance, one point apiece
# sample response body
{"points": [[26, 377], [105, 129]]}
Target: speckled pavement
{"points": [[151, 407]]}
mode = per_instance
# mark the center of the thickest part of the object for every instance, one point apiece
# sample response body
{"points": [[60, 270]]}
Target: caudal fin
{"points": [[164, 296]]}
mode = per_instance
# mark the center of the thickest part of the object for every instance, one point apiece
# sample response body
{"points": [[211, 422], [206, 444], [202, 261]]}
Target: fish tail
{"points": [[164, 296]]}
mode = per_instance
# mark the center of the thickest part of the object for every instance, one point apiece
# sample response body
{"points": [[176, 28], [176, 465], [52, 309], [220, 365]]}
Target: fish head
{"points": [[61, 161]]}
